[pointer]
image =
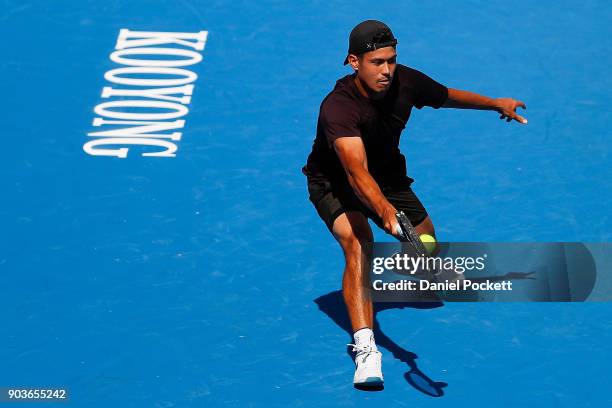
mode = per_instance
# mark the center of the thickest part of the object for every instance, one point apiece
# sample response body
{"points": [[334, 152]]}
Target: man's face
{"points": [[375, 69]]}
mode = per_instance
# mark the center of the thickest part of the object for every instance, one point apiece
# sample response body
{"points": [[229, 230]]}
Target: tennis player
{"points": [[356, 171]]}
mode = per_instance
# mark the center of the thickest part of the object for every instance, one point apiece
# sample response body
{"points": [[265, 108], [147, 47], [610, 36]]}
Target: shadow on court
{"points": [[333, 306]]}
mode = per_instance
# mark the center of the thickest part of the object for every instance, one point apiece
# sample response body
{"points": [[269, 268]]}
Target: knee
{"points": [[353, 233], [354, 245]]}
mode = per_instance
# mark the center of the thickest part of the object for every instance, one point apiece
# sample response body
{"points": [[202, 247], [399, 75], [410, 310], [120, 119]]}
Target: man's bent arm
{"points": [[352, 155], [469, 100]]}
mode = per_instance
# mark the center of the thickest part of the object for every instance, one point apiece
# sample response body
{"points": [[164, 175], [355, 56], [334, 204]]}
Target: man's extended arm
{"points": [[352, 155], [470, 100]]}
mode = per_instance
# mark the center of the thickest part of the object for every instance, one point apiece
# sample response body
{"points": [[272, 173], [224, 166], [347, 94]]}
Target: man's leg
{"points": [[343, 214], [352, 232], [426, 227]]}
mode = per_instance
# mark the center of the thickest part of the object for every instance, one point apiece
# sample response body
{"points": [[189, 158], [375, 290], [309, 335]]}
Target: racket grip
{"points": [[399, 231]]}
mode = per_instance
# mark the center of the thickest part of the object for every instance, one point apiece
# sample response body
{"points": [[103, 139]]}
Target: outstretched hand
{"points": [[507, 108]]}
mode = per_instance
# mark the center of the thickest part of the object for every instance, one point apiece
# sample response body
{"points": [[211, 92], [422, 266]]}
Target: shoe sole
{"points": [[370, 381], [371, 384]]}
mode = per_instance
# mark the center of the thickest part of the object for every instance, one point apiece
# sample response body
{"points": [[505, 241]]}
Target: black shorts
{"points": [[332, 200]]}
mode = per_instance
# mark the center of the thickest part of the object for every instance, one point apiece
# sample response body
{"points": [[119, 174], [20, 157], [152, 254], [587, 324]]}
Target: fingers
{"points": [[520, 119], [510, 117], [393, 229], [508, 111]]}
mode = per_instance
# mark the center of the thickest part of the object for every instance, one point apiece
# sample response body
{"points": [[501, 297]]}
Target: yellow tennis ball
{"points": [[429, 242]]}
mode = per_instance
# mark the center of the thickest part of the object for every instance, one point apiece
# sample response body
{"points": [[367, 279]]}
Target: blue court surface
{"points": [[207, 279]]}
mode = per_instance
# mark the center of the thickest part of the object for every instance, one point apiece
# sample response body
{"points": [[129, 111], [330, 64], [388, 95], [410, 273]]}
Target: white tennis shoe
{"points": [[368, 365]]}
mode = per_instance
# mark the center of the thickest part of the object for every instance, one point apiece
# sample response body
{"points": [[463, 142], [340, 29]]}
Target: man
{"points": [[356, 171]]}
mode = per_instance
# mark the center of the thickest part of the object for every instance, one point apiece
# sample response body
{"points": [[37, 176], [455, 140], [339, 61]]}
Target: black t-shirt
{"points": [[379, 123]]}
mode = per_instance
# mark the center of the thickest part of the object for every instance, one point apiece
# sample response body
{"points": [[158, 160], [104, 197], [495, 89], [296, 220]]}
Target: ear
{"points": [[353, 61]]}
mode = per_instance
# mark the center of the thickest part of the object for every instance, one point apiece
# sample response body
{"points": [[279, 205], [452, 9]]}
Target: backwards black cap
{"points": [[369, 35]]}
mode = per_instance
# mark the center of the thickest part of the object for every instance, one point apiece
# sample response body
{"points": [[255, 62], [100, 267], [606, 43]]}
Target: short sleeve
{"points": [[429, 92], [339, 117]]}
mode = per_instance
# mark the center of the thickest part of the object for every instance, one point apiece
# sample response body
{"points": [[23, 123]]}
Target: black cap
{"points": [[369, 35]]}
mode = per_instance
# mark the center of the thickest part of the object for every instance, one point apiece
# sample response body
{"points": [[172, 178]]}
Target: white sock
{"points": [[364, 337]]}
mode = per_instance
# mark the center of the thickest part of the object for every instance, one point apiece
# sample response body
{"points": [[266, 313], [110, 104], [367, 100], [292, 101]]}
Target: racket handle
{"points": [[399, 231]]}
